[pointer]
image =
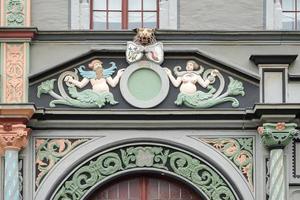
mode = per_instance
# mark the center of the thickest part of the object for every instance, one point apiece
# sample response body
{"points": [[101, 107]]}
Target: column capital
{"points": [[277, 135], [13, 136]]}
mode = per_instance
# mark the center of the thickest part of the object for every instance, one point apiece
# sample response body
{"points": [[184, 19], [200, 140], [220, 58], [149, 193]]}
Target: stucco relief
{"points": [[239, 151], [13, 136], [14, 70], [15, 12], [97, 76], [190, 96], [163, 159], [50, 151]]}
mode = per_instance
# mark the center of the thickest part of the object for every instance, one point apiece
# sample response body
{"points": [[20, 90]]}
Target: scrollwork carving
{"points": [[50, 151], [239, 151], [163, 158]]}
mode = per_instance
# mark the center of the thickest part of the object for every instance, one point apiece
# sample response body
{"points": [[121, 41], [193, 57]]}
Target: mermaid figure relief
{"points": [[191, 97], [99, 78]]}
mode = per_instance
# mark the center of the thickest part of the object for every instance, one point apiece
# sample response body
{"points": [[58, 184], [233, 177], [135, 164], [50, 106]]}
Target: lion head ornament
{"points": [[144, 45]]}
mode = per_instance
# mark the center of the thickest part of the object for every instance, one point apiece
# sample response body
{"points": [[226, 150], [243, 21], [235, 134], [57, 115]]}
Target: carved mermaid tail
{"points": [[89, 96], [84, 99], [206, 100]]}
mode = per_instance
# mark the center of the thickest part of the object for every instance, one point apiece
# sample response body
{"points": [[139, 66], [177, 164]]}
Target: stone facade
{"points": [[237, 127]]}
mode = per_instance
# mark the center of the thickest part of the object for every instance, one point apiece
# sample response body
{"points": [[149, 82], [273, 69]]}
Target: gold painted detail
{"points": [[239, 151], [50, 151]]}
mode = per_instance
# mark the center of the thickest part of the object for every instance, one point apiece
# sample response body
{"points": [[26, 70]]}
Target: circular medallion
{"points": [[144, 84]]}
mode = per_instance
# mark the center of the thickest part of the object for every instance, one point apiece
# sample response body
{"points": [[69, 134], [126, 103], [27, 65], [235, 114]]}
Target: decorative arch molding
{"points": [[152, 156], [163, 156]]}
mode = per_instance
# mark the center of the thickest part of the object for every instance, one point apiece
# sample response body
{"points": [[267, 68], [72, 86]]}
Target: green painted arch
{"points": [[154, 157]]}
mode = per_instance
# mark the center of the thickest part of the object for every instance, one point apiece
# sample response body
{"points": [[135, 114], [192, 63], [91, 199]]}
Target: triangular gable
{"points": [[245, 95]]}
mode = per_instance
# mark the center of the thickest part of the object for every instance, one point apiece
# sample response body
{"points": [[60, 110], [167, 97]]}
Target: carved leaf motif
{"points": [[182, 164], [239, 151], [50, 151], [45, 87], [235, 87]]}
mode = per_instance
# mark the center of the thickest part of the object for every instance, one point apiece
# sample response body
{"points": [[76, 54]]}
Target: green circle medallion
{"points": [[144, 84]]}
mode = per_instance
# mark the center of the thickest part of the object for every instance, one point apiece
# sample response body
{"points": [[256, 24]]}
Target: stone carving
{"points": [[144, 43], [277, 135], [50, 151], [15, 13], [191, 97], [14, 73], [99, 78], [160, 158], [13, 135], [239, 151]]}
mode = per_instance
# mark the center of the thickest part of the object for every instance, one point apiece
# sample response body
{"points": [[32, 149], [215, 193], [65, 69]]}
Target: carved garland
{"points": [[239, 151], [50, 151], [205, 178]]}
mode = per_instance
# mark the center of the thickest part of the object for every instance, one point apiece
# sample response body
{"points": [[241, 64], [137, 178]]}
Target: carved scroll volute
{"points": [[13, 136]]}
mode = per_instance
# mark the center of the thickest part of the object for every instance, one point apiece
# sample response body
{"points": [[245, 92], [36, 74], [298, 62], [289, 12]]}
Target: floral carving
{"points": [[13, 135], [239, 151], [182, 164], [14, 73], [50, 151], [15, 13]]}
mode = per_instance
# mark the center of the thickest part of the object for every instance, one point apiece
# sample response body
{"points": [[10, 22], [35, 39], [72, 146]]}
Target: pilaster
{"points": [[15, 13], [14, 135], [274, 76], [275, 136]]}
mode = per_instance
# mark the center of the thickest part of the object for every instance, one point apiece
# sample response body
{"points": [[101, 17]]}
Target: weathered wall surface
{"points": [[50, 15], [221, 15]]}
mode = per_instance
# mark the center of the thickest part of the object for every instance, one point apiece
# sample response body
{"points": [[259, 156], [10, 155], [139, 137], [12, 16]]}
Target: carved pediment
{"points": [[216, 85]]}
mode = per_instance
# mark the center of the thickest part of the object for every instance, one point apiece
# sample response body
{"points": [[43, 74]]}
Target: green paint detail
{"points": [[84, 99], [144, 84], [239, 151], [277, 135], [15, 10], [206, 99], [89, 98], [45, 87], [50, 151], [205, 178]]}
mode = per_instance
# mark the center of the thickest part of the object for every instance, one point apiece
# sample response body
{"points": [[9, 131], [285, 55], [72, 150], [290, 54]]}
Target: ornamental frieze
{"points": [[144, 77]]}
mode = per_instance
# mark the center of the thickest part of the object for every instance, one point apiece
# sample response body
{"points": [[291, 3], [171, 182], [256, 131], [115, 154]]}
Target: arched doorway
{"points": [[144, 187]]}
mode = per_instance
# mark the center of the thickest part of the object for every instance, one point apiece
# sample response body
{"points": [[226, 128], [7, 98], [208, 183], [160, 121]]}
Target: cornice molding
{"points": [[7, 33], [171, 35]]}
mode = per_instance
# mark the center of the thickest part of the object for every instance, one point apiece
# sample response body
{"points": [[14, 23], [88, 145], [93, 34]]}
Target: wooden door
{"points": [[145, 188]]}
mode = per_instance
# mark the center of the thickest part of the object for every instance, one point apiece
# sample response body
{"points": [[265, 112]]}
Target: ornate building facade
{"points": [[149, 99]]}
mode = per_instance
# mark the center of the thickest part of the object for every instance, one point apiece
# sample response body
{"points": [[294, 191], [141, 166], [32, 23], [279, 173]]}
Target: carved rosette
{"points": [[277, 135], [14, 73], [13, 136]]}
